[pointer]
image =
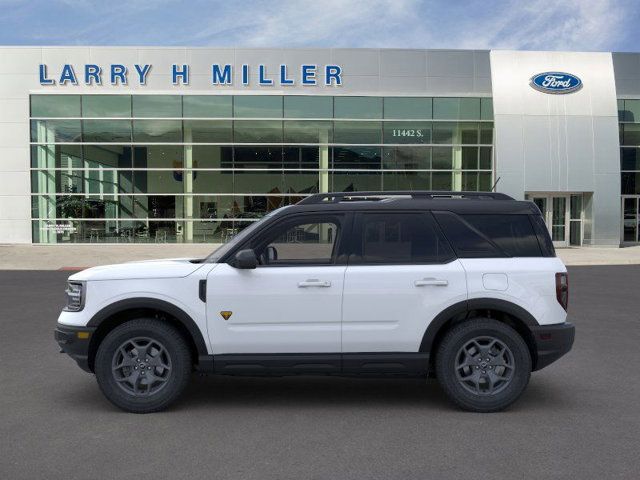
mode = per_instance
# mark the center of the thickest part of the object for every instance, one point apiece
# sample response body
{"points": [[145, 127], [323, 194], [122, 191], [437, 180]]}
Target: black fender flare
{"points": [[155, 304], [461, 309]]}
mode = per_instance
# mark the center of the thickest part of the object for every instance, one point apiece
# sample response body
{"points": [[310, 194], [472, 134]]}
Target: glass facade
{"points": [[629, 118], [172, 168]]}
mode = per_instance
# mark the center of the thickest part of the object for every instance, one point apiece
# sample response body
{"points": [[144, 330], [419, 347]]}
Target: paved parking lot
{"points": [[579, 418]]}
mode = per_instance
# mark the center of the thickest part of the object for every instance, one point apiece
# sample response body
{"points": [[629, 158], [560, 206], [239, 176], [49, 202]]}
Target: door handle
{"points": [[436, 282], [314, 283]]}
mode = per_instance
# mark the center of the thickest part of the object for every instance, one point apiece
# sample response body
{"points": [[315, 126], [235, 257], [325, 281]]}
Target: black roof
{"points": [[457, 202]]}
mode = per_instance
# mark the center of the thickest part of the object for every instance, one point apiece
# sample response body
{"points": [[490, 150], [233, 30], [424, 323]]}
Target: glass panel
{"points": [[106, 105], [213, 182], [157, 131], [158, 181], [512, 233], [301, 243], [407, 158], [485, 182], [207, 131], [442, 158], [632, 110], [631, 134], [301, 181], [470, 158], [358, 107], [468, 133], [158, 156], [558, 219], [355, 181], [357, 132], [575, 236], [444, 133], [258, 182], [442, 181], [308, 107], [211, 106], [211, 156], [305, 157], [308, 132], [107, 156], [408, 107], [157, 106], [257, 131], [469, 181], [406, 181], [407, 132], [575, 207], [486, 160], [486, 109], [55, 105], [630, 158], [357, 157], [621, 112], [486, 133], [630, 219], [106, 130], [258, 157], [397, 238], [630, 183], [56, 156], [456, 108], [46, 131], [257, 106]]}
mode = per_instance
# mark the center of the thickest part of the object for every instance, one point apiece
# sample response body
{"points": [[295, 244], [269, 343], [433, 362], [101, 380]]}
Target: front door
{"points": [[290, 303], [402, 273]]}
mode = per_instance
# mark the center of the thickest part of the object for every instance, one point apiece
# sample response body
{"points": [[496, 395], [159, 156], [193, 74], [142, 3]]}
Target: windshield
{"points": [[216, 255]]}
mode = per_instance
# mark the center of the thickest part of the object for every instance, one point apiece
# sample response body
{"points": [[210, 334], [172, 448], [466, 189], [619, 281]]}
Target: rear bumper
{"points": [[74, 341], [552, 342]]}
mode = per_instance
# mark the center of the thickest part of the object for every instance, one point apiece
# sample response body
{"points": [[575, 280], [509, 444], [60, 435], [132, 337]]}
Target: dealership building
{"points": [[190, 145]]}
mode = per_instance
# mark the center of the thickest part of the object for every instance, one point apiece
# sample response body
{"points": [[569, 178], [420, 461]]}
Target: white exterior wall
{"points": [[559, 142]]}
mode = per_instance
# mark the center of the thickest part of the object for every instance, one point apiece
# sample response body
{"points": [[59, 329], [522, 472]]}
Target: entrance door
{"points": [[563, 215], [630, 220]]}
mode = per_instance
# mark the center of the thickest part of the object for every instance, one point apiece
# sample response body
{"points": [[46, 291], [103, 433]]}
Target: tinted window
{"points": [[303, 241], [544, 240], [512, 233], [465, 239], [399, 238]]}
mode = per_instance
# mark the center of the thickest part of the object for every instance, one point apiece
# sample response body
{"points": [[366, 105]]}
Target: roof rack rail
{"points": [[340, 196]]}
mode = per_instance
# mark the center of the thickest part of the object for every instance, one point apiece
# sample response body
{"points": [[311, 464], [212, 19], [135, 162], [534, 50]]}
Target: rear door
{"points": [[401, 274]]}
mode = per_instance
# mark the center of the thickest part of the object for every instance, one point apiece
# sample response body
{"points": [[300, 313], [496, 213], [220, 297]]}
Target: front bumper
{"points": [[75, 341], [552, 342]]}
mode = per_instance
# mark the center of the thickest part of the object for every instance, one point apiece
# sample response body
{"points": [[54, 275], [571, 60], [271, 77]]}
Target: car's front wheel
{"points": [[143, 365], [483, 365]]}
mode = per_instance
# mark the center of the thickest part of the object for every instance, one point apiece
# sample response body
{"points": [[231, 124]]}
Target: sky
{"points": [[586, 25]]}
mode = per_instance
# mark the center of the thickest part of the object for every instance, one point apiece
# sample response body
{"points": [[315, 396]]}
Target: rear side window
{"points": [[466, 240], [514, 234], [544, 239], [398, 238]]}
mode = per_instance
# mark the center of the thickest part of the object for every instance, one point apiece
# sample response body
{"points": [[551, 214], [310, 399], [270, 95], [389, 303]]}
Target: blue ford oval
{"points": [[556, 82]]}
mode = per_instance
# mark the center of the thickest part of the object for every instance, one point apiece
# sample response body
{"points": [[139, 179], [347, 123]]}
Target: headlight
{"points": [[75, 296]]}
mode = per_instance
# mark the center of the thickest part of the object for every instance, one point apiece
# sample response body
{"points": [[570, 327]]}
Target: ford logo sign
{"points": [[556, 82]]}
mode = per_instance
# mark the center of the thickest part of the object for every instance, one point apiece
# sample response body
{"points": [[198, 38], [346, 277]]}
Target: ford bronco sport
{"points": [[462, 286]]}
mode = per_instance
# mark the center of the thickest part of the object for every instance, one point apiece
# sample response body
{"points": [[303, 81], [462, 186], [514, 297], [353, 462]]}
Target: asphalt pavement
{"points": [[578, 419]]}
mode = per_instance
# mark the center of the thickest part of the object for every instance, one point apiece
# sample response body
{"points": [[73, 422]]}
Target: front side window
{"points": [[304, 241], [399, 238]]}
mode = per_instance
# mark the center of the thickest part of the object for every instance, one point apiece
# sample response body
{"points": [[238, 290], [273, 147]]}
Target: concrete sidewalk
{"points": [[57, 257]]}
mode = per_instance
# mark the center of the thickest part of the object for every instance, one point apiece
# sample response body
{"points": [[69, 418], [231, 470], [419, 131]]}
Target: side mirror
{"points": [[246, 259]]}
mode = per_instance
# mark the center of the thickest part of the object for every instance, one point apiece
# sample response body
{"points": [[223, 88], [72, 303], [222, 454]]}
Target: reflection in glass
{"points": [[357, 107], [55, 105], [207, 106], [357, 158], [207, 131], [157, 106], [357, 132], [257, 131], [157, 131], [257, 106], [106, 106], [402, 108], [303, 106], [407, 158], [49, 131], [307, 132], [106, 131]]}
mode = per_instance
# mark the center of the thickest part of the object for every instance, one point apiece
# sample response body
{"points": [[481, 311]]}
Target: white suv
{"points": [[465, 287]]}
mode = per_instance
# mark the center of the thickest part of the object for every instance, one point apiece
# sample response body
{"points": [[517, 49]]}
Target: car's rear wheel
{"points": [[143, 365], [483, 365]]}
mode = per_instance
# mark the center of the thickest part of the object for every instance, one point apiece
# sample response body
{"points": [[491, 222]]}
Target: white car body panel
{"points": [[271, 313], [530, 284], [149, 269], [384, 310]]}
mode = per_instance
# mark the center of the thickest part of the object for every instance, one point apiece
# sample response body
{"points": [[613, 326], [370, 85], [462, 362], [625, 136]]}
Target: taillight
{"points": [[562, 289]]}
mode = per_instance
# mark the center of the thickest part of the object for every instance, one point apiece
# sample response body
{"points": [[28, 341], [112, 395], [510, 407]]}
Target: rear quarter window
{"points": [[514, 234]]}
